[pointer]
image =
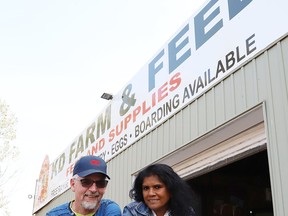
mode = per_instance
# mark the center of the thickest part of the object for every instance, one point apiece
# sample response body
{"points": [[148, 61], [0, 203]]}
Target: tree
{"points": [[8, 152]]}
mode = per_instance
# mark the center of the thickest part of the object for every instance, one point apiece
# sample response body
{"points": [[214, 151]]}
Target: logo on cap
{"points": [[95, 162]]}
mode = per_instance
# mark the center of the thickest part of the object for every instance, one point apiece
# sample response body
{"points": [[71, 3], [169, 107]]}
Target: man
{"points": [[89, 183]]}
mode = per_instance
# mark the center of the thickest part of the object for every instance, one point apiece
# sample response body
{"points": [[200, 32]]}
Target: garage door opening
{"points": [[241, 188]]}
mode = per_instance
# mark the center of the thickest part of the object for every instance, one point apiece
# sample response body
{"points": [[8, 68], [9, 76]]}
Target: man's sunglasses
{"points": [[87, 183]]}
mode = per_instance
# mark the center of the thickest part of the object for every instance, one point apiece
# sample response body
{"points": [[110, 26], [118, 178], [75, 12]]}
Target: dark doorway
{"points": [[241, 188]]}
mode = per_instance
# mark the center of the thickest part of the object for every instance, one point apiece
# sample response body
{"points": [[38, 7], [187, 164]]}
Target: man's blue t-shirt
{"points": [[107, 208]]}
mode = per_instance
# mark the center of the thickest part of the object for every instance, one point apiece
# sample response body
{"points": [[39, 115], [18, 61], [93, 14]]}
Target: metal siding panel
{"points": [[117, 179], [277, 127], [147, 149], [271, 148], [262, 69], [210, 107], [150, 149], [239, 91], [120, 170], [193, 120], [251, 84], [161, 146], [278, 92], [155, 146], [186, 125], [284, 59], [138, 152], [171, 133], [219, 104], [178, 129], [201, 103], [131, 157], [229, 99], [166, 140]]}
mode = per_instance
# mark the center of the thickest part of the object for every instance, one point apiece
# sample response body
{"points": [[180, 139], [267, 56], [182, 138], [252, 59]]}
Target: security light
{"points": [[107, 96]]}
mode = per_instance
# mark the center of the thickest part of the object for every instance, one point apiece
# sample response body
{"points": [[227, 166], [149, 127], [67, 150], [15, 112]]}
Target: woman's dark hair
{"points": [[181, 195]]}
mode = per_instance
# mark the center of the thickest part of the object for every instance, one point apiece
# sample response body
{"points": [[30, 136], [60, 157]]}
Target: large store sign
{"points": [[217, 39]]}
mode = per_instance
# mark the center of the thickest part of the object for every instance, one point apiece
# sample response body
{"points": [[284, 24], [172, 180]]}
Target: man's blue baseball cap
{"points": [[90, 164]]}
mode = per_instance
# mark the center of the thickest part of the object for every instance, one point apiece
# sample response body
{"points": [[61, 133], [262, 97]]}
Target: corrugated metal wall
{"points": [[273, 66], [263, 79]]}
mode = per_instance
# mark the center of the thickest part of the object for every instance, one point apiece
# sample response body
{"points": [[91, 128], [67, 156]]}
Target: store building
{"points": [[212, 103]]}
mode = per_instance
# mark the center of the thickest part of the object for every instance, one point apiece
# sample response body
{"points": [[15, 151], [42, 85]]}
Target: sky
{"points": [[56, 60]]}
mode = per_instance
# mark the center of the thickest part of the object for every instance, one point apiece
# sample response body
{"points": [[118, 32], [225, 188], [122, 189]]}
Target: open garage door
{"points": [[240, 146]]}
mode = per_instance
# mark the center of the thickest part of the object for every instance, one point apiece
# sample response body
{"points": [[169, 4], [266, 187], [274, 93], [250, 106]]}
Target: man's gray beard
{"points": [[89, 205]]}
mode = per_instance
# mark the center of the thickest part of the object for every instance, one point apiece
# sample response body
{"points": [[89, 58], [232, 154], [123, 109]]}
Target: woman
{"points": [[159, 191]]}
